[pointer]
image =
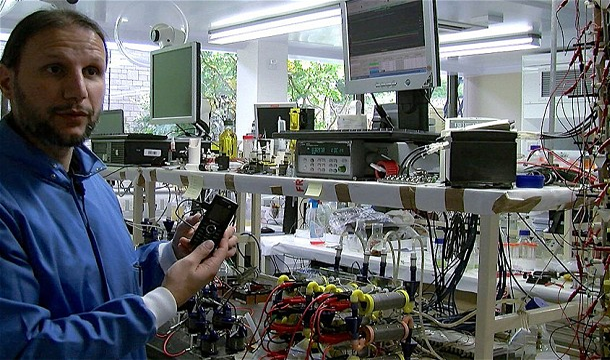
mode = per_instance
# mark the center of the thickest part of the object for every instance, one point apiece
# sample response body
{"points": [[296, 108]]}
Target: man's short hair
{"points": [[40, 21]]}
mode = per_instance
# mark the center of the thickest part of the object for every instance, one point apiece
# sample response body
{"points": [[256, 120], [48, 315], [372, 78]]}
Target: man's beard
{"points": [[38, 125]]}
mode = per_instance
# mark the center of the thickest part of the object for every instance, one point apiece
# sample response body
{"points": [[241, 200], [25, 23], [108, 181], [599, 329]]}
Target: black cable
{"points": [[258, 245], [382, 113], [445, 287], [285, 264], [416, 152], [276, 268], [501, 285]]}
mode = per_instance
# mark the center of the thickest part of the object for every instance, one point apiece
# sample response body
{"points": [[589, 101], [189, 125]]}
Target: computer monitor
{"points": [[392, 45], [266, 116], [175, 84], [111, 122]]}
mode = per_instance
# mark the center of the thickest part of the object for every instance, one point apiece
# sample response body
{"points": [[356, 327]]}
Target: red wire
{"points": [[303, 315], [255, 331], [166, 352], [249, 310]]}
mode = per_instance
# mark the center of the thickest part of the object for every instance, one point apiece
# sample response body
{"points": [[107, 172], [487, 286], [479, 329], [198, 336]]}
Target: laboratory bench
{"points": [[488, 203]]}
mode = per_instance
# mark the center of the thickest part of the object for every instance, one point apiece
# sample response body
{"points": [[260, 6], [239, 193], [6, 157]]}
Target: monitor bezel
{"points": [[401, 82], [269, 105], [195, 115]]}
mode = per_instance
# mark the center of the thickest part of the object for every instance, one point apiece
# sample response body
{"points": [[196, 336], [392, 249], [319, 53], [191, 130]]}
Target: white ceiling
{"points": [[324, 42]]}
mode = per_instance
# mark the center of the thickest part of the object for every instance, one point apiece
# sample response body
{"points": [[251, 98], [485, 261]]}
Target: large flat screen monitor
{"points": [[267, 114], [392, 45], [175, 84]]}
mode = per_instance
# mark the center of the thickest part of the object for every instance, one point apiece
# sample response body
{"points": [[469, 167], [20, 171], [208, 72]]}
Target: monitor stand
{"points": [[413, 109]]}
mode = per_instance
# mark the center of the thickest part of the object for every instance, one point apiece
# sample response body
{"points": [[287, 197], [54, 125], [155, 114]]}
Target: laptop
{"points": [[111, 125]]}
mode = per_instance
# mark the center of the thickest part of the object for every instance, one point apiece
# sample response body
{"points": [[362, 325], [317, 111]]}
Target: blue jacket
{"points": [[70, 277]]}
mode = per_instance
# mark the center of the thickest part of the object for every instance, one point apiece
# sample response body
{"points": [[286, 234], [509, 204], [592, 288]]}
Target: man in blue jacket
{"points": [[72, 285]]}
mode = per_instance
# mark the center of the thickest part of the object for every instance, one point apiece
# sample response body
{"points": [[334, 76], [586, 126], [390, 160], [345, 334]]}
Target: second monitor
{"points": [[266, 117]]}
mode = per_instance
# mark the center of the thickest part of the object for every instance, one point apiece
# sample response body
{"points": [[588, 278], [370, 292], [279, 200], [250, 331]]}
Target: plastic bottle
{"points": [[248, 145], [316, 230], [527, 249], [534, 341], [537, 155], [228, 141], [281, 127], [515, 252], [523, 344], [542, 255]]}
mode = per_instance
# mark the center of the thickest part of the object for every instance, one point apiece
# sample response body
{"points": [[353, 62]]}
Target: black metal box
{"points": [[131, 152], [481, 158]]}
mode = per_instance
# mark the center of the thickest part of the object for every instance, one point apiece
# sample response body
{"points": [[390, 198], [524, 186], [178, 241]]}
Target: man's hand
{"points": [[181, 244], [184, 231], [194, 271]]}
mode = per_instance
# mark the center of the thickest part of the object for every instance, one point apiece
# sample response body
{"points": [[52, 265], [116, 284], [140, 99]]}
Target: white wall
{"points": [[496, 96], [262, 76]]}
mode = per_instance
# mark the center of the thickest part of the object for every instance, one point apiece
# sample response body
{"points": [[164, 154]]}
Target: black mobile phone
{"points": [[214, 221]]}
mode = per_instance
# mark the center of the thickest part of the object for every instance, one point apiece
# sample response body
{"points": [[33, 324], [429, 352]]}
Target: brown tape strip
{"points": [[141, 181], [122, 175], [153, 176], [342, 192], [184, 180], [454, 199], [276, 190], [504, 204], [230, 182], [407, 197]]}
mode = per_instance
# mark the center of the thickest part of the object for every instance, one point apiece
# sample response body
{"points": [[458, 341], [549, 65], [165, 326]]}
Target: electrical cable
{"points": [[382, 113], [419, 304], [258, 245]]}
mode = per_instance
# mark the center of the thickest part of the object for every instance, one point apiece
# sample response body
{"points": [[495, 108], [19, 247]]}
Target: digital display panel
{"points": [[324, 148], [219, 213]]}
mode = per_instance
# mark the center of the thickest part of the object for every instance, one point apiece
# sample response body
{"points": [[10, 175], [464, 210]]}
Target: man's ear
{"points": [[6, 81]]}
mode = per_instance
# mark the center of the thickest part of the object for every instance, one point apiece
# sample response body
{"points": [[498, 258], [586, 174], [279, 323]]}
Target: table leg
{"points": [[486, 288]]}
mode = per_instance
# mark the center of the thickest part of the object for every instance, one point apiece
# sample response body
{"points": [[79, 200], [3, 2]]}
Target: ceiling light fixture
{"points": [[277, 25], [487, 41]]}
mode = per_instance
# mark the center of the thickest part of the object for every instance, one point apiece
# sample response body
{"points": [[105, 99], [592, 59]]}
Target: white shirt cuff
{"points": [[162, 304], [167, 257]]}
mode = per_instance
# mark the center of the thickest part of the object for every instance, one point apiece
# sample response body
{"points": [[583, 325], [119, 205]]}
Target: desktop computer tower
{"points": [[125, 151]]}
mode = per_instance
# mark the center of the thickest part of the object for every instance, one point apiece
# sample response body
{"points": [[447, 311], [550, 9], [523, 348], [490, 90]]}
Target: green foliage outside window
{"points": [[311, 84]]}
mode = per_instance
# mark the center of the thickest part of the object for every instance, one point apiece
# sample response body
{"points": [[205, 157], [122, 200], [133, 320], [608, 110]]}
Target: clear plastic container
{"points": [[357, 240], [525, 245], [316, 229], [376, 243]]}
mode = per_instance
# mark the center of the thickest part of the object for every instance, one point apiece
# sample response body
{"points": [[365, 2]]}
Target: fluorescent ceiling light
{"points": [[279, 25], [491, 32], [492, 40], [286, 10]]}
